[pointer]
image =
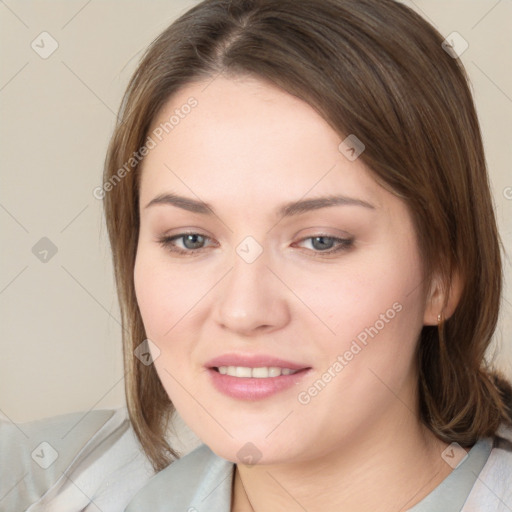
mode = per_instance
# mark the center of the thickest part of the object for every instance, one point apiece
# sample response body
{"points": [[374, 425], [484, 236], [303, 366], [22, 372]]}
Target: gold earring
{"points": [[439, 318]]}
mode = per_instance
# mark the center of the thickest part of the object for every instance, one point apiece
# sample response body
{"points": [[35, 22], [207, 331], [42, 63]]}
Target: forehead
{"points": [[245, 137]]}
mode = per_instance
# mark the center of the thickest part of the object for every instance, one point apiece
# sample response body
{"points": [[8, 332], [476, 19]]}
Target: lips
{"points": [[253, 361], [248, 387]]}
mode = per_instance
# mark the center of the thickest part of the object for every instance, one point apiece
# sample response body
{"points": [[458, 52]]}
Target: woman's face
{"points": [[333, 293]]}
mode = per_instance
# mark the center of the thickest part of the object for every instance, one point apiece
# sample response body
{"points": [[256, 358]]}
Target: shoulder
{"points": [[492, 490], [201, 480], [68, 458]]}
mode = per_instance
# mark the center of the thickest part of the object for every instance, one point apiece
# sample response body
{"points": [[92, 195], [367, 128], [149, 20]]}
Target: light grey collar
{"points": [[202, 480], [451, 494]]}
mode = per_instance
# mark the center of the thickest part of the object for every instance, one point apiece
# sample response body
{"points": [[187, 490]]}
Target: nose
{"points": [[251, 299]]}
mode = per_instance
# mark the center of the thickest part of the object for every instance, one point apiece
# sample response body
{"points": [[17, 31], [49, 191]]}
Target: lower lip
{"points": [[250, 388]]}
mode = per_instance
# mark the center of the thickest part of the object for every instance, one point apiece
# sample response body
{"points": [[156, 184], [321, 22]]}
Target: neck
{"points": [[384, 468]]}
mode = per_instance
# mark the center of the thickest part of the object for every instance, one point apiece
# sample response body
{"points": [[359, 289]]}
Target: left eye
{"points": [[329, 244], [193, 243]]}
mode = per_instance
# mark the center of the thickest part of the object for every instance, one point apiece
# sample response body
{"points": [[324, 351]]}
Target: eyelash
{"points": [[167, 242]]}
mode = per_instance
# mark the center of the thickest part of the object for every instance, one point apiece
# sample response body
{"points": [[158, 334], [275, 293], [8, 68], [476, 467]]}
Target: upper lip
{"points": [[253, 361]]}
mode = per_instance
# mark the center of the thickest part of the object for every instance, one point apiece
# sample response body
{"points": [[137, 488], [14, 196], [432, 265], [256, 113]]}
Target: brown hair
{"points": [[376, 69]]}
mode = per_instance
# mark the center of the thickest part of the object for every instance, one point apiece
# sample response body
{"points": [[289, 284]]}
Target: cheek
{"points": [[161, 308], [374, 312], [163, 295], [171, 301], [364, 295], [150, 295]]}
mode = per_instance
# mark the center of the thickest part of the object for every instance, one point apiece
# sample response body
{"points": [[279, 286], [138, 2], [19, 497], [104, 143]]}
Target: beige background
{"points": [[60, 342]]}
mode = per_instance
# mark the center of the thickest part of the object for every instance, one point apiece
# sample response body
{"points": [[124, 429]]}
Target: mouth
{"points": [[251, 383]]}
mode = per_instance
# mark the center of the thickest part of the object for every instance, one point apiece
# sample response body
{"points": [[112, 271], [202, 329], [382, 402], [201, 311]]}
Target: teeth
{"points": [[258, 373], [239, 371]]}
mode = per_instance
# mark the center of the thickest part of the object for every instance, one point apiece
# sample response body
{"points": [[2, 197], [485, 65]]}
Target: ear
{"points": [[442, 300]]}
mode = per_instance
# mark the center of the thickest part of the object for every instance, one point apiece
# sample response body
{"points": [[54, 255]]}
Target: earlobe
{"points": [[441, 300]]}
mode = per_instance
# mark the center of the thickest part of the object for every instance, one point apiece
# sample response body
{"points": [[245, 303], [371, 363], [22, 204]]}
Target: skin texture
{"points": [[246, 149]]}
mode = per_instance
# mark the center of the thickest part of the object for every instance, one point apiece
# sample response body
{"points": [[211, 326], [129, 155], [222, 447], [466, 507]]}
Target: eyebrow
{"points": [[287, 210]]}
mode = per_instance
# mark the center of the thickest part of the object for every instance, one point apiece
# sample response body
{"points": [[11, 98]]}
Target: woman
{"points": [[308, 264], [256, 105]]}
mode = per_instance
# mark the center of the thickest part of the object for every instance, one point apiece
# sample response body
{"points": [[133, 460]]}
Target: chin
{"points": [[260, 451]]}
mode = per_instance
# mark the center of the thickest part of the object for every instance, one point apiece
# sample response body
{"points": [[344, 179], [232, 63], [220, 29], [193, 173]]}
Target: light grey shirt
{"points": [[85, 462], [202, 481]]}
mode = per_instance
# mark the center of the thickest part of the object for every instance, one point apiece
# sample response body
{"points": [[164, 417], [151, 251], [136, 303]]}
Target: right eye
{"points": [[191, 243]]}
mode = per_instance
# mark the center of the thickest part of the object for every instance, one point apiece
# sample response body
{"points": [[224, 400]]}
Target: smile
{"points": [[263, 372], [249, 384]]}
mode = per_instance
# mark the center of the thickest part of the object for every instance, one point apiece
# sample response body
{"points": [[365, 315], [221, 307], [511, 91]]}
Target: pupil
{"points": [[323, 245], [193, 239]]}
